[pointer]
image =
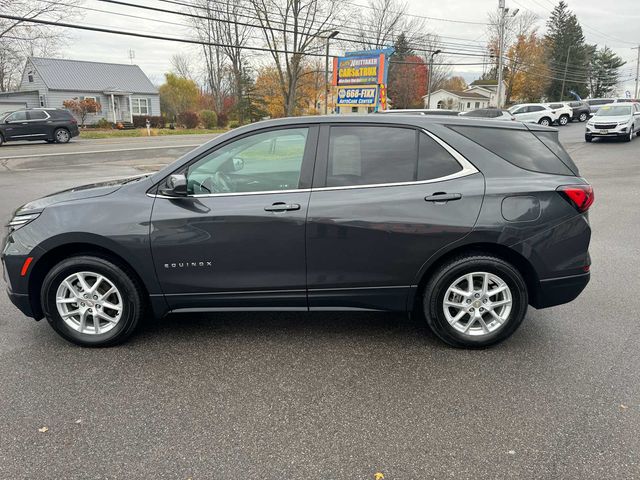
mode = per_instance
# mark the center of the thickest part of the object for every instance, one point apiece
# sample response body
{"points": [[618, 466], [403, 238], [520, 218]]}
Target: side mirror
{"points": [[174, 186]]}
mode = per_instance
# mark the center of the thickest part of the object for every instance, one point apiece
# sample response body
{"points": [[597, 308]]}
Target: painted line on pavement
{"points": [[92, 152]]}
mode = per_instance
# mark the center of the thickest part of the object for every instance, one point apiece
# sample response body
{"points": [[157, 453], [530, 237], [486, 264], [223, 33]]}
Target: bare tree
{"points": [[206, 21], [306, 23], [20, 39], [441, 70], [384, 21], [182, 65]]}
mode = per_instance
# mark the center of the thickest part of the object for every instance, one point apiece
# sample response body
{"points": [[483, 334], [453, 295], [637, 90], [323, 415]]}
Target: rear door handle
{"points": [[443, 197], [282, 207]]}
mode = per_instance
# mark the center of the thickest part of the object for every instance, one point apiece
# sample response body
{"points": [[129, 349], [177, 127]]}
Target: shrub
{"points": [[103, 123], [209, 118], [189, 119], [234, 124], [140, 121], [223, 119]]}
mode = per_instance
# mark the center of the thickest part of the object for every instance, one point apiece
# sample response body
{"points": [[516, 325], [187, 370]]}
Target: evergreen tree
{"points": [[564, 40], [604, 72]]}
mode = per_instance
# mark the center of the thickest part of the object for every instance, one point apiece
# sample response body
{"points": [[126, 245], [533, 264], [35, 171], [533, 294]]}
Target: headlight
{"points": [[623, 123], [21, 220]]}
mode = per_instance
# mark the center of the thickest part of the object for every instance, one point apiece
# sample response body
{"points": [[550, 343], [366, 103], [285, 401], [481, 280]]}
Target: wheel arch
{"points": [[522, 264], [56, 254]]}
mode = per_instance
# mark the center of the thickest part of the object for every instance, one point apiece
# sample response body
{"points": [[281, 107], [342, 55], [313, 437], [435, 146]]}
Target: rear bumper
{"points": [[556, 291]]}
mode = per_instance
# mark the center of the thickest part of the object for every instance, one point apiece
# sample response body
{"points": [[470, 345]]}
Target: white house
{"points": [[480, 94]]}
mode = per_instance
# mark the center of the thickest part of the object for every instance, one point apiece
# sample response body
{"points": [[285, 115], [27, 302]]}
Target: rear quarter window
{"points": [[519, 147]]}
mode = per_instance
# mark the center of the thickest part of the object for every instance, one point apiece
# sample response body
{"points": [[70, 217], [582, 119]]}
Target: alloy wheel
{"points": [[477, 303], [89, 303], [544, 122], [583, 117], [564, 120], [62, 136]]}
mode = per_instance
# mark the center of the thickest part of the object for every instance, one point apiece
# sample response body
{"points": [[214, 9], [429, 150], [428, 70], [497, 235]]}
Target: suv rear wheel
{"points": [[545, 121], [475, 301], [62, 135], [91, 301], [563, 120], [583, 117]]}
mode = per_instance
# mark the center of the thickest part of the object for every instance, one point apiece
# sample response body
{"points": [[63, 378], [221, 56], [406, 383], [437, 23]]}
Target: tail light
{"points": [[580, 196]]}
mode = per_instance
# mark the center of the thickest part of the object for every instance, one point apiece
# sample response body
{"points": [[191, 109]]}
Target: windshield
{"points": [[613, 110], [513, 109], [4, 115]]}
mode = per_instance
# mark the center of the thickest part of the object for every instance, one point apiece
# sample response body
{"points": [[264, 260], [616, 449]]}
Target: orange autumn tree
{"points": [[309, 93], [408, 82], [528, 72], [82, 107]]}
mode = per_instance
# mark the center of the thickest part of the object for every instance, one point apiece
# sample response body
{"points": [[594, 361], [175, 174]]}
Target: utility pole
{"points": [[637, 71], [564, 77], [430, 82], [326, 72], [501, 27]]}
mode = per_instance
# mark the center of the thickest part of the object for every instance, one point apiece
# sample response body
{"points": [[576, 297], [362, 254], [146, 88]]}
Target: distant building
{"points": [[123, 91], [480, 94]]}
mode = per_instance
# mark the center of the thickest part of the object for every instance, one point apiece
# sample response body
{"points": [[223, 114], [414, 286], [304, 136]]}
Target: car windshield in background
{"points": [[613, 110]]}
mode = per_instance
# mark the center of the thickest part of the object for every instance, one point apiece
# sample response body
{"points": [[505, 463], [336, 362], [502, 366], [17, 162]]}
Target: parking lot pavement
{"points": [[340, 395]]}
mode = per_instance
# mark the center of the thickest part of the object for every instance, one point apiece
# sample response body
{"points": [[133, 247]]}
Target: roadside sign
{"points": [[358, 95]]}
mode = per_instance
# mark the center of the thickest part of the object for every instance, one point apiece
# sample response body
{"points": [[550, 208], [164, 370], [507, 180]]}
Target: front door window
{"points": [[264, 162]]}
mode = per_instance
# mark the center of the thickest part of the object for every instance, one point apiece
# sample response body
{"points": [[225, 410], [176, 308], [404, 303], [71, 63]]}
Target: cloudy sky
{"points": [[615, 27]]}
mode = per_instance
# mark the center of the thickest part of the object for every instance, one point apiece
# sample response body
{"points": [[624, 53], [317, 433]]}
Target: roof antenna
{"points": [[132, 55]]}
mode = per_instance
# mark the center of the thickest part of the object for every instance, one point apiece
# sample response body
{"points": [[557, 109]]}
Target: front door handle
{"points": [[443, 197], [282, 207]]}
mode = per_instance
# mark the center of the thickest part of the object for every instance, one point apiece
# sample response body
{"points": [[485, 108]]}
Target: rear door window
{"points": [[519, 147], [38, 115], [369, 155], [433, 160]]}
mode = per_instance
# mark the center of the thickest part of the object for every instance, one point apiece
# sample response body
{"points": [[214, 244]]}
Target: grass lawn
{"points": [[93, 133]]}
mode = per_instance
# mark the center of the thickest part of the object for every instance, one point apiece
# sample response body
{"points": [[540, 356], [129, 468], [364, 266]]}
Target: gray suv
{"points": [[460, 221]]}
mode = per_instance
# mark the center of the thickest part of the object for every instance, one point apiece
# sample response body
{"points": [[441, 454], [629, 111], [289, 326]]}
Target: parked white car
{"points": [[564, 111], [534, 113], [615, 120]]}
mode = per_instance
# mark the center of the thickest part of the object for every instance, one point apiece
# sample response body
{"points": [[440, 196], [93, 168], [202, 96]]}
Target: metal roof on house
{"points": [[78, 75]]}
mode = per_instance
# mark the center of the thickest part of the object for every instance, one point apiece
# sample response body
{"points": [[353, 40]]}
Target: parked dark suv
{"points": [[465, 222], [581, 110], [48, 124]]}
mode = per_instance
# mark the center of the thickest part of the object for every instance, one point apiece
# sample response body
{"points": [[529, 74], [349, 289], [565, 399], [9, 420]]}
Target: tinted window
{"points": [[535, 108], [556, 105], [37, 115], [366, 155], [261, 162], [61, 114], [574, 104], [433, 160], [550, 139], [17, 117], [519, 147]]}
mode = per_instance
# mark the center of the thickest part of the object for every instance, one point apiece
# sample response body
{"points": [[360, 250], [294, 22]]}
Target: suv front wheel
{"points": [[475, 301], [91, 301]]}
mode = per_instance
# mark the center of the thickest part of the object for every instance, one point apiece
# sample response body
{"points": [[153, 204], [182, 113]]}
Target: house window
{"points": [[90, 98], [140, 106], [42, 101], [477, 104], [468, 104], [30, 77]]}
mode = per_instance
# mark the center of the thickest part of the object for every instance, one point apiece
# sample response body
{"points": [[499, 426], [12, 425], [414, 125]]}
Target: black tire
{"points": [[1, 139], [61, 135], [583, 116], [629, 137], [588, 138], [439, 283], [545, 121], [563, 120], [51, 141], [124, 280]]}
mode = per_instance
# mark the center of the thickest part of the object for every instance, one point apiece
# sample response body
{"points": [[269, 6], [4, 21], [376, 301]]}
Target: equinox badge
{"points": [[199, 264]]}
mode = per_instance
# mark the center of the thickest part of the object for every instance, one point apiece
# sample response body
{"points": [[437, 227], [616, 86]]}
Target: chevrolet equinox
{"points": [[464, 222]]}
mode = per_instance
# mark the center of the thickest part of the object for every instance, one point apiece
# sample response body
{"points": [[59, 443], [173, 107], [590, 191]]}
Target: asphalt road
{"points": [[333, 396]]}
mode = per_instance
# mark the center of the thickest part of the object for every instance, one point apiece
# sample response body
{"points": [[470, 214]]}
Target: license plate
{"points": [[604, 132]]}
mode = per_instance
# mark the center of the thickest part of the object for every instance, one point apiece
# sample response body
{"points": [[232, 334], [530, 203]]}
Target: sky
{"points": [[615, 27]]}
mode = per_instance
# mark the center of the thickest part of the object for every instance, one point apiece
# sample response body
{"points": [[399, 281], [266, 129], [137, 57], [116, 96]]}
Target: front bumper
{"points": [[557, 291], [23, 303], [621, 131]]}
